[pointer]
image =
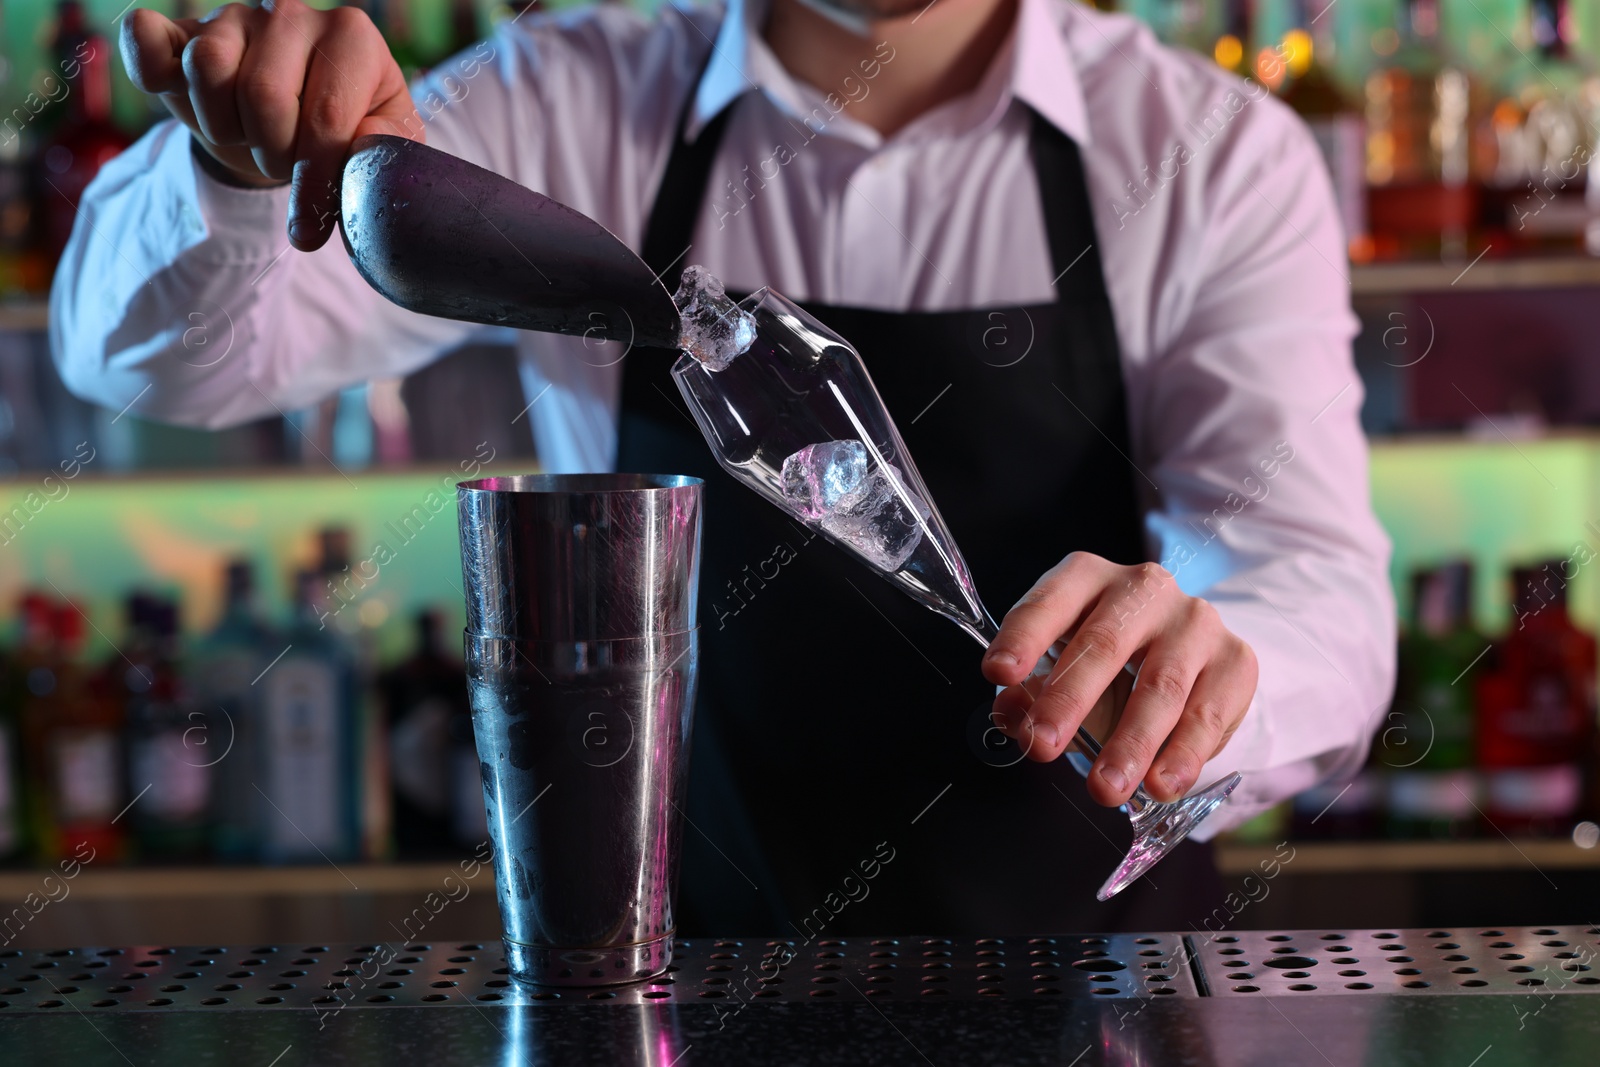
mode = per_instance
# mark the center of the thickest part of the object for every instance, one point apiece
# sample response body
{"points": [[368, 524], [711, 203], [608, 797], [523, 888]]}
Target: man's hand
{"points": [[1195, 680], [275, 93]]}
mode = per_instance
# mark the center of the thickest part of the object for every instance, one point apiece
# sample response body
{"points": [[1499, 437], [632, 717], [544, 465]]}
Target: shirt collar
{"points": [[1040, 71]]}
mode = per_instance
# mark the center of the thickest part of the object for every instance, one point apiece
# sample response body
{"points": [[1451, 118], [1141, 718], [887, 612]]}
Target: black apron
{"points": [[841, 781]]}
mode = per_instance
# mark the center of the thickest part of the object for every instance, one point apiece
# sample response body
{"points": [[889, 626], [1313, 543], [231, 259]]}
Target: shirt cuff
{"points": [[242, 224]]}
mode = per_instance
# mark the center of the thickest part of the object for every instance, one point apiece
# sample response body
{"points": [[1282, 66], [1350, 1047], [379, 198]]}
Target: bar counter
{"points": [[1467, 998]]}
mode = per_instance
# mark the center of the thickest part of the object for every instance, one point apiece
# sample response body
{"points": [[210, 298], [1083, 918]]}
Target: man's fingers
{"points": [[271, 78], [1114, 633], [152, 50], [1218, 701], [1054, 605], [394, 112], [211, 71], [345, 74], [1153, 709]]}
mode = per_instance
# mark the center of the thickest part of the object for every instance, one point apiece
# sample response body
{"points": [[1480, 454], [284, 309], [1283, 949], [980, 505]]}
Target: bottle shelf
{"points": [[1233, 858], [25, 316], [1488, 273], [211, 883], [1359, 857], [1366, 279]]}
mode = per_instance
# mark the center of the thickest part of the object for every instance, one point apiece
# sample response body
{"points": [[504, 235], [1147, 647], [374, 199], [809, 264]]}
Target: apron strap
{"points": [[670, 232]]}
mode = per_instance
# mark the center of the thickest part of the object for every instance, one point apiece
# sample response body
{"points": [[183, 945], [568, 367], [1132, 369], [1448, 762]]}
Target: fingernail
{"points": [[1045, 732], [1002, 658], [1173, 781], [1115, 778], [299, 230]]}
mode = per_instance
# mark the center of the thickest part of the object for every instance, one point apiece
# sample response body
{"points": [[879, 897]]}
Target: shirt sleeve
{"points": [[1251, 428], [179, 298]]}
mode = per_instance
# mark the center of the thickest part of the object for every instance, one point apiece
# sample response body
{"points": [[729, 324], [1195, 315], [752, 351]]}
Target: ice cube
{"points": [[825, 477], [716, 331], [834, 485]]}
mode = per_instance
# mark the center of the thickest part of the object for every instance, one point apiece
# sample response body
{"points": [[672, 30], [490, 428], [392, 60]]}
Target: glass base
{"points": [[547, 965], [1159, 827]]}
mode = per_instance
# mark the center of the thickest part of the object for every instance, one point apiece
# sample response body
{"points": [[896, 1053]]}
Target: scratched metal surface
{"points": [[335, 977], [1492, 959]]}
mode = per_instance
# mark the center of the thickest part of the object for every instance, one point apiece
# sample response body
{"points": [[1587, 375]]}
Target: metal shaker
{"points": [[582, 656]]}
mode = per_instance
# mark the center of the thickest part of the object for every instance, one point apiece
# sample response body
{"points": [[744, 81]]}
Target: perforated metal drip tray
{"points": [[330, 978], [1511, 959], [335, 977]]}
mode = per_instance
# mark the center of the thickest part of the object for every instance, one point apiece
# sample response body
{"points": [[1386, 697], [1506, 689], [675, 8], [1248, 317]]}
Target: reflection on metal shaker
{"points": [[582, 656]]}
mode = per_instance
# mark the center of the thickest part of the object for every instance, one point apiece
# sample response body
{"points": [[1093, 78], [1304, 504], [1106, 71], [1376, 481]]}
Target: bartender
{"points": [[1099, 283]]}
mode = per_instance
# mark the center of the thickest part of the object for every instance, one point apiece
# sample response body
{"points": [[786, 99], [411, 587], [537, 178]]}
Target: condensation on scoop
{"points": [[716, 331]]}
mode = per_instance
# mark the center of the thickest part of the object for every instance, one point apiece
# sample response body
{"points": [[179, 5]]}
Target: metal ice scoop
{"points": [[440, 236]]}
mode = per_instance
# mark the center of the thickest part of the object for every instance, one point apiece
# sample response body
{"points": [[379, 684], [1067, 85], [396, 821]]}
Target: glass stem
{"points": [[1088, 746]]}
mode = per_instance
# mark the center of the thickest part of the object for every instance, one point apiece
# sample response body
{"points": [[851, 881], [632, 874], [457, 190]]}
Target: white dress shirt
{"points": [[1218, 235]]}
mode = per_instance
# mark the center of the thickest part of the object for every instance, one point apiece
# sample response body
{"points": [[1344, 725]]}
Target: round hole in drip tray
{"points": [[1100, 966], [1290, 963]]}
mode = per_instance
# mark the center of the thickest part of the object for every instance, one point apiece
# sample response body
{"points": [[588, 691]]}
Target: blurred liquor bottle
{"points": [[13, 816], [32, 676], [75, 740], [1421, 199], [1231, 47], [23, 270], [311, 776], [224, 667], [170, 768], [393, 20], [85, 138], [1191, 24], [433, 764], [1345, 810], [1427, 739], [1536, 710], [351, 619], [466, 25], [1542, 132], [1297, 63]]}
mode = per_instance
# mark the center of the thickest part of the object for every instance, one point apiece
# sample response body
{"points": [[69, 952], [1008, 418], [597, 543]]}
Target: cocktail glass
{"points": [[801, 385]]}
